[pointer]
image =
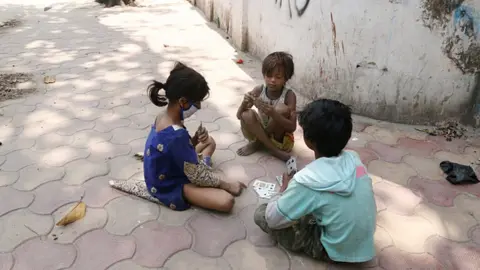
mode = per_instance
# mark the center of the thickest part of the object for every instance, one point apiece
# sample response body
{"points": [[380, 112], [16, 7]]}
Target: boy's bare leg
{"points": [[278, 131], [252, 125], [250, 147]]}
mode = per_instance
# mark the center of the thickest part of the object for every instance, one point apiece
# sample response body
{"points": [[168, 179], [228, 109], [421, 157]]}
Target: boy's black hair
{"points": [[182, 82], [328, 125], [281, 60]]}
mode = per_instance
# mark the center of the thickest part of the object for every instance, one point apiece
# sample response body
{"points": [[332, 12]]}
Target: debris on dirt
{"points": [[239, 61], [10, 23], [448, 129], [15, 85], [74, 214], [49, 79], [138, 156]]}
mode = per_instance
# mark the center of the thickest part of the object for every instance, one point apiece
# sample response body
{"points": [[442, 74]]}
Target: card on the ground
{"points": [[279, 179], [263, 185], [266, 194], [291, 166], [264, 189]]}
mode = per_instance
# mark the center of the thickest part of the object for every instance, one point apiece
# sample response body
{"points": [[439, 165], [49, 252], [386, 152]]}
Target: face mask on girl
{"points": [[189, 111]]}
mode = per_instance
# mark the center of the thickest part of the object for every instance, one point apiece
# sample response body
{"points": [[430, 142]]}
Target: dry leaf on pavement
{"points": [[75, 213]]}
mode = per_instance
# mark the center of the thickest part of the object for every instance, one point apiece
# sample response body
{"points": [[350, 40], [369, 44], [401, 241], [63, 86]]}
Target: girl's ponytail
{"points": [[154, 95]]}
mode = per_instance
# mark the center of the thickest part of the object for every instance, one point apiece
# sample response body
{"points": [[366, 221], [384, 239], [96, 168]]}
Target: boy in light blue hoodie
{"points": [[326, 210]]}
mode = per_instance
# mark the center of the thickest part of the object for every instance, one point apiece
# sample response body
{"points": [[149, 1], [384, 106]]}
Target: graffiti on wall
{"points": [[460, 27], [299, 6], [462, 45]]}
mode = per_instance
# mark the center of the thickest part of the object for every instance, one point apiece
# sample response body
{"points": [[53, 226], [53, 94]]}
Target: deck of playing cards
{"points": [[264, 189]]}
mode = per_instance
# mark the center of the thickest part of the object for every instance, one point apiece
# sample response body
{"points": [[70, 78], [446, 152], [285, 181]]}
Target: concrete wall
{"points": [[408, 61]]}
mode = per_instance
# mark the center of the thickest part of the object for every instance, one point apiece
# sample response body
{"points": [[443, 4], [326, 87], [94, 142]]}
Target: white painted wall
{"points": [[376, 55]]}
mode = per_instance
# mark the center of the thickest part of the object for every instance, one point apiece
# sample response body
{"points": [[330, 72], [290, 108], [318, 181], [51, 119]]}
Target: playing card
{"points": [[291, 166], [263, 185], [263, 193], [264, 189], [279, 180]]}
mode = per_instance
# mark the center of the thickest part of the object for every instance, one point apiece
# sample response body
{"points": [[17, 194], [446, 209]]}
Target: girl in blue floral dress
{"points": [[176, 166]]}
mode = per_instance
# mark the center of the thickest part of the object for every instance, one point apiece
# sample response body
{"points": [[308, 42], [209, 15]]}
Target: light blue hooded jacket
{"points": [[338, 192]]}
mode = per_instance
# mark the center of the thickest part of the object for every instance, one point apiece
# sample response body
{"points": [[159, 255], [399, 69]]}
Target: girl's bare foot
{"points": [[248, 149], [234, 188]]}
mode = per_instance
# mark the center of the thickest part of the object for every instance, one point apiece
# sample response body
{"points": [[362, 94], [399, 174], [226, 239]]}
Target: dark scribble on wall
{"points": [[300, 6]]}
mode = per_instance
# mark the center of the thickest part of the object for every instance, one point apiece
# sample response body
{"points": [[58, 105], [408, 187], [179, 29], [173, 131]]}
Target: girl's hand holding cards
{"points": [[202, 133]]}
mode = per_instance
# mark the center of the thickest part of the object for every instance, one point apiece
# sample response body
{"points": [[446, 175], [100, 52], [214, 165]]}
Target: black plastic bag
{"points": [[458, 174]]}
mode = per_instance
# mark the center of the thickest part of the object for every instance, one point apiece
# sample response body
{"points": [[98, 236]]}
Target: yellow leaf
{"points": [[75, 213], [49, 79]]}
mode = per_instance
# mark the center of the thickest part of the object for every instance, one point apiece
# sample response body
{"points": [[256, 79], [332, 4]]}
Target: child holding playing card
{"points": [[174, 174], [276, 120], [326, 210]]}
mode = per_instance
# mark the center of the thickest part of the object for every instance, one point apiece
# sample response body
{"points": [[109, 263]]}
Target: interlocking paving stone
{"points": [[126, 213], [211, 235], [436, 192], [383, 135], [51, 196], [176, 218], [43, 254], [407, 232], [6, 261], [8, 178], [392, 258], [396, 173], [420, 148], [454, 255], [13, 199], [243, 255], [108, 249], [11, 234], [156, 243], [396, 197], [128, 265], [82, 170], [98, 192], [187, 260], [388, 153], [34, 176], [254, 234]]}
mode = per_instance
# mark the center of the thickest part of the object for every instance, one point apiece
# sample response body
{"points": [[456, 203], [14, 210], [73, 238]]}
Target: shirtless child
{"points": [[276, 120]]}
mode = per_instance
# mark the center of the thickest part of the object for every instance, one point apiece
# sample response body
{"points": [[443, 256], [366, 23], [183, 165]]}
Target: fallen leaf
{"points": [[76, 213], [49, 79]]}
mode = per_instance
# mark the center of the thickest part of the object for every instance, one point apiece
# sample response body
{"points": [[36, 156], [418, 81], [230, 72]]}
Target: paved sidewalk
{"points": [[65, 142]]}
